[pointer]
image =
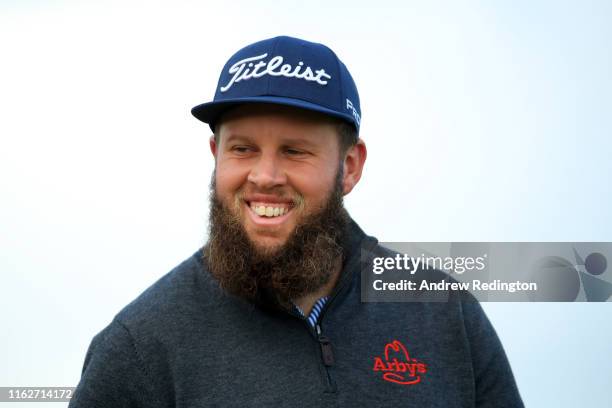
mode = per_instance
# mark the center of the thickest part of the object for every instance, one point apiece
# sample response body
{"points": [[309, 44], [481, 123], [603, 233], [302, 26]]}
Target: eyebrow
{"points": [[286, 141], [232, 137]]}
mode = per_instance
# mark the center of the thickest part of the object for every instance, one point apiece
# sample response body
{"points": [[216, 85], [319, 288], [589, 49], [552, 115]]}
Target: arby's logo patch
{"points": [[397, 366]]}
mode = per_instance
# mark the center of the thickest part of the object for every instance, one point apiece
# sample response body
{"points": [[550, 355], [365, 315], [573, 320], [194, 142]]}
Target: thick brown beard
{"points": [[304, 264]]}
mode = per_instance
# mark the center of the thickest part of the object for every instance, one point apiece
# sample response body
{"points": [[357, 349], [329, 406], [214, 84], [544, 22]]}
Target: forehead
{"points": [[269, 118]]}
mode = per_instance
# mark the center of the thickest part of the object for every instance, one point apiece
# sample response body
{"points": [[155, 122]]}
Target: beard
{"points": [[274, 276]]}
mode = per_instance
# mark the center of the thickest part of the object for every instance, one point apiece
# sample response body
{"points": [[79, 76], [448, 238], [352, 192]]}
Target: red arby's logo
{"points": [[397, 366]]}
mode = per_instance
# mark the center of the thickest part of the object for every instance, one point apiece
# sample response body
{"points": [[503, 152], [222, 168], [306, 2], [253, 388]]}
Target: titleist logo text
{"points": [[247, 69]]}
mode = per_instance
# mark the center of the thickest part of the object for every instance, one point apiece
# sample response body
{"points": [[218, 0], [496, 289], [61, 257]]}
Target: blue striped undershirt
{"points": [[313, 317]]}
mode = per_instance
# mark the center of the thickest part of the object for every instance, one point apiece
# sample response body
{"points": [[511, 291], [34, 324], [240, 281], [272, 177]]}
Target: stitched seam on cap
{"points": [[269, 77], [343, 96]]}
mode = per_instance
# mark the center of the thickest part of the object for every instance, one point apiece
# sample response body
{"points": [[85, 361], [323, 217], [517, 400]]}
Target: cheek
{"points": [[315, 188], [229, 179]]}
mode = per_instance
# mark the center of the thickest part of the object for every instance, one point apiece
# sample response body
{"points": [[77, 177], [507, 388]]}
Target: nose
{"points": [[267, 173]]}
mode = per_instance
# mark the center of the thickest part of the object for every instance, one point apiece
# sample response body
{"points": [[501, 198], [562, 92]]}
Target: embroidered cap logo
{"points": [[245, 69], [286, 71], [395, 370]]}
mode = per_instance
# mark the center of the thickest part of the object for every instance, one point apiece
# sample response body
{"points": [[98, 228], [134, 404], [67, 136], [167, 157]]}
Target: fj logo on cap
{"points": [[247, 69]]}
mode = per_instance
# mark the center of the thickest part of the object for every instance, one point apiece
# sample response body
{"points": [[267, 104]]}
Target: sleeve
{"points": [[495, 385], [113, 375]]}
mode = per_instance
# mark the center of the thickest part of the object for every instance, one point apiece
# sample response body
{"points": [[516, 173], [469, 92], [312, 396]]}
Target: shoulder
{"points": [[184, 291], [128, 361]]}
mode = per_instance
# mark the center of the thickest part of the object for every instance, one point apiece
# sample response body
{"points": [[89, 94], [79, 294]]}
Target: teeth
{"points": [[262, 210]]}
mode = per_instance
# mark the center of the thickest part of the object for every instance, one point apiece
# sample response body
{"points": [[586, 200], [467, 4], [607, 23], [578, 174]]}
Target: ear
{"points": [[353, 166], [213, 146]]}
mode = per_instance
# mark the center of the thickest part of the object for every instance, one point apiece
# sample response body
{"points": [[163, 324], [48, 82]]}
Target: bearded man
{"points": [[268, 312]]}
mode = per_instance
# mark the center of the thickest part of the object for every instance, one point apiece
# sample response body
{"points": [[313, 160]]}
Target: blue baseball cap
{"points": [[285, 71]]}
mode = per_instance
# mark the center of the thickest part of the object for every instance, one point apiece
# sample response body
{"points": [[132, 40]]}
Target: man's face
{"points": [[274, 166]]}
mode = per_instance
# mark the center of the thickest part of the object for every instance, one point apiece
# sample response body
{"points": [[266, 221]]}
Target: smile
{"points": [[269, 209], [267, 213]]}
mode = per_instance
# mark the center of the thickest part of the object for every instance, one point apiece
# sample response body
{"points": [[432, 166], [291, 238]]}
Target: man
{"points": [[268, 313]]}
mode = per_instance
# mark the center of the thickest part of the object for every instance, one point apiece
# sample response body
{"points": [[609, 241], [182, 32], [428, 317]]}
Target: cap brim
{"points": [[211, 111]]}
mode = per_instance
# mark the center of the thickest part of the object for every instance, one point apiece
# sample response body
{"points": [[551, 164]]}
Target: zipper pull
{"points": [[326, 348]]}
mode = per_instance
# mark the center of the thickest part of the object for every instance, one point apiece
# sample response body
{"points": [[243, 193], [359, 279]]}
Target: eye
{"points": [[241, 149], [294, 152]]}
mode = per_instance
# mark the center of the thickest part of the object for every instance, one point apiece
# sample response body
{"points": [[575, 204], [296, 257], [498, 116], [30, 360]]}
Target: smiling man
{"points": [[280, 176], [268, 312]]}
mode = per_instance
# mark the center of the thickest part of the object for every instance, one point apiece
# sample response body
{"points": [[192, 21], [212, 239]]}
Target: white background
{"points": [[484, 120]]}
